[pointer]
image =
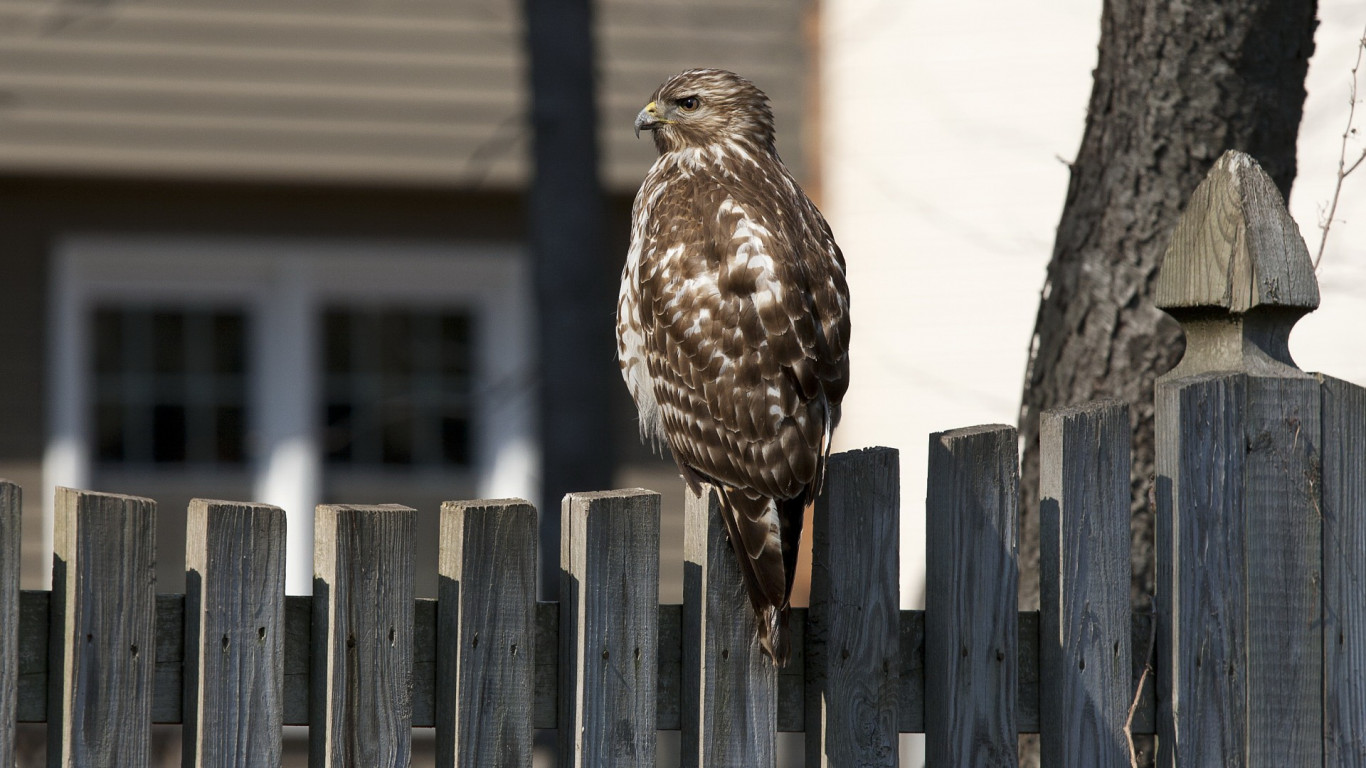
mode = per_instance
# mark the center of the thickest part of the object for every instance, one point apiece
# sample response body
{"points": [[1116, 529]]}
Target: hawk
{"points": [[733, 324]]}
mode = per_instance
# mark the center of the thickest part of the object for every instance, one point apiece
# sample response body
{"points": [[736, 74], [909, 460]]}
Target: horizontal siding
{"points": [[397, 92], [641, 43]]}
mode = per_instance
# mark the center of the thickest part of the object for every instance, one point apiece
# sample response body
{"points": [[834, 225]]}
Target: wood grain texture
{"points": [[609, 628], [911, 710], [234, 634], [486, 617], [426, 649], [730, 690], [852, 643], [1344, 583], [11, 516], [1284, 551], [1235, 246], [1084, 650], [362, 638], [298, 653], [103, 615], [547, 705], [1200, 456], [971, 621], [669, 703]]}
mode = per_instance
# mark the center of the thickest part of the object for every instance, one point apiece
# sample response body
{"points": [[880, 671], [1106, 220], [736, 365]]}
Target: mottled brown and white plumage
{"points": [[733, 323]]}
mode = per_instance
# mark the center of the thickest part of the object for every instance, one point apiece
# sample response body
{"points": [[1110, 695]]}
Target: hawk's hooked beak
{"points": [[649, 118]]}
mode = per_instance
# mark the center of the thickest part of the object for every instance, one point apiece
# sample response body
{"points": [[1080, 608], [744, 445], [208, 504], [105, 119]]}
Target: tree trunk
{"points": [[575, 288], [1175, 86]]}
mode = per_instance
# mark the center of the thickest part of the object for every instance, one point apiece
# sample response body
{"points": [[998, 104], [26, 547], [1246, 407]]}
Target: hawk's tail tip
{"points": [[773, 635]]}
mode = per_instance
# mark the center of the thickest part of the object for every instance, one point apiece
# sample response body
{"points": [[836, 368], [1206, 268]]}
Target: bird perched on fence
{"points": [[733, 324]]}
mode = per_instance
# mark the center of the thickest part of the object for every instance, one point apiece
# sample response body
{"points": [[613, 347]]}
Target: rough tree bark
{"points": [[1175, 86]]}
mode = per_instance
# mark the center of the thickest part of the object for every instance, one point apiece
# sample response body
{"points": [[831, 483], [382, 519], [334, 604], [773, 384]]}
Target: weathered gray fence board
{"points": [[1284, 557], [168, 677], [1209, 600], [911, 709], [852, 628], [103, 616], [730, 712], [971, 621], [792, 692], [362, 636], [426, 649], [11, 516], [487, 626], [669, 703], [546, 708], [1027, 670], [609, 628], [298, 654], [1084, 653], [1344, 582], [234, 634]]}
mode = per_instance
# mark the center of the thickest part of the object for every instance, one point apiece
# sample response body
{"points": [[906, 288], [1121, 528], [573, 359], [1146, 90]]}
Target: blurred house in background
{"points": [[274, 251]]}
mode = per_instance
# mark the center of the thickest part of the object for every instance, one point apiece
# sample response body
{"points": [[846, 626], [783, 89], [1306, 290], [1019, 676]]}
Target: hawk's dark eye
{"points": [[688, 103]]}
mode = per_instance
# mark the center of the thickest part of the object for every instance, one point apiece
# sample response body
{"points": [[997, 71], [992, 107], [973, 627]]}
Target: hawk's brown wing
{"points": [[743, 305]]}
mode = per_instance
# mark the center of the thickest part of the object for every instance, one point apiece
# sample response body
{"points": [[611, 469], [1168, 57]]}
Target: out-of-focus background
{"points": [[279, 252]]}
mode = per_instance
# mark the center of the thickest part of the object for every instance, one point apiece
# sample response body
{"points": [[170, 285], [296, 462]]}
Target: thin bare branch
{"points": [[1138, 692], [1343, 168]]}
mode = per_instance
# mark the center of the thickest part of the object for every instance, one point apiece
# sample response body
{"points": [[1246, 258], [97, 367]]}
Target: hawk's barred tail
{"points": [[765, 535], [773, 635]]}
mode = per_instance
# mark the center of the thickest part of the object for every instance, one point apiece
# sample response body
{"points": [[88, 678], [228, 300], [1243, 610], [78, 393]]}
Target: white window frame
{"points": [[284, 284]]}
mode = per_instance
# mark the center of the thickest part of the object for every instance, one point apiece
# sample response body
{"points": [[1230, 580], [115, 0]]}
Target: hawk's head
{"points": [[705, 106]]}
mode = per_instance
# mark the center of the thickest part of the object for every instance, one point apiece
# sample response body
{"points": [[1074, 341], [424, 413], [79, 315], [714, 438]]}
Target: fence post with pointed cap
{"points": [[1238, 429]]}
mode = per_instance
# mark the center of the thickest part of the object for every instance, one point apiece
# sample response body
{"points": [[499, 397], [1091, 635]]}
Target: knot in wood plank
{"points": [[1237, 274]]}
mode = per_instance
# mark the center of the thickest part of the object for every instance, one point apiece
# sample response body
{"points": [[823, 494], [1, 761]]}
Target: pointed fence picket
{"points": [[1260, 621]]}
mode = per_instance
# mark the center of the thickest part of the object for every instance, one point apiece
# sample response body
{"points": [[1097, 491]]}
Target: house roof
{"points": [[429, 92]]}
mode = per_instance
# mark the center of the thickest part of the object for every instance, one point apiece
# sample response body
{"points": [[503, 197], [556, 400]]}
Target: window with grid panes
{"points": [[169, 386], [397, 387]]}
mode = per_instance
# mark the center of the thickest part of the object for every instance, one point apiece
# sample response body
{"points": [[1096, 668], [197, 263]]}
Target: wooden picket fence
{"points": [[1256, 654]]}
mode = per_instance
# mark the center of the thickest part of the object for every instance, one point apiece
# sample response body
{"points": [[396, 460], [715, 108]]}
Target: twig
{"points": [[1138, 694], [1343, 168]]}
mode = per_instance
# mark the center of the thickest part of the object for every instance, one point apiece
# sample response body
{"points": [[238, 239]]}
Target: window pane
{"points": [[455, 439], [398, 434], [108, 340], [168, 342], [231, 431], [396, 387], [168, 433], [169, 384], [229, 343], [337, 339], [109, 432], [337, 432], [455, 341]]}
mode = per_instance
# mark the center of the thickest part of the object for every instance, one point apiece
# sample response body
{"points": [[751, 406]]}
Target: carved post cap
{"points": [[1237, 274]]}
